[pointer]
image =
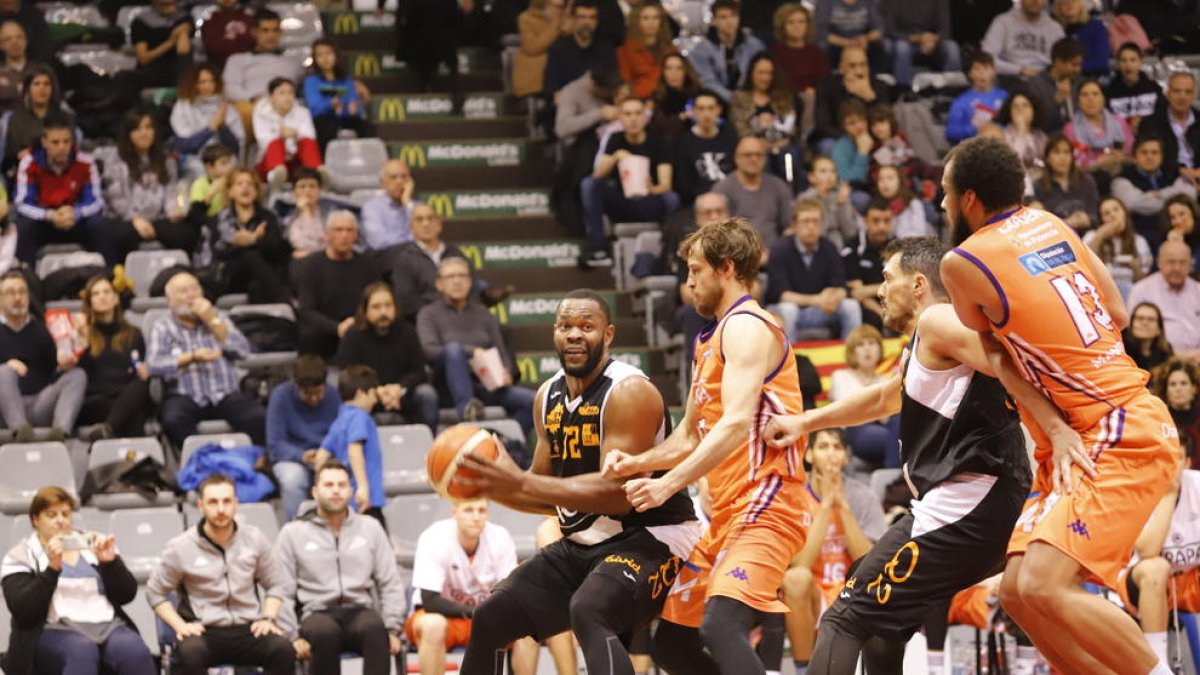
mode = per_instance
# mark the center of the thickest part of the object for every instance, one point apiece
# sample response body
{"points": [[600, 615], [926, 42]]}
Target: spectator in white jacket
{"points": [[286, 137], [246, 74]]}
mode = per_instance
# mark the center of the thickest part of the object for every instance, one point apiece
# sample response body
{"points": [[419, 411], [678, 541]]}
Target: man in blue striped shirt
{"points": [[194, 351]]}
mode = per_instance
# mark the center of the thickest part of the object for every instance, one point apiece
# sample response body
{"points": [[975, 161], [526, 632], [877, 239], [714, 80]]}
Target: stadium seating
{"points": [[122, 449], [225, 440], [355, 163], [143, 266], [141, 535], [522, 526], [261, 515], [407, 517], [404, 448], [27, 466]]}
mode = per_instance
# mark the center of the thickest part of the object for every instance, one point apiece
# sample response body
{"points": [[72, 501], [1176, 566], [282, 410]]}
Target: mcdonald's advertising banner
{"points": [[374, 64], [534, 308], [434, 106], [537, 367], [460, 153], [531, 202], [353, 23], [495, 255]]}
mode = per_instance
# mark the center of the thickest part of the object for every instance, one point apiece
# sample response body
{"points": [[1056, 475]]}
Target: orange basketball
{"points": [[442, 461]]}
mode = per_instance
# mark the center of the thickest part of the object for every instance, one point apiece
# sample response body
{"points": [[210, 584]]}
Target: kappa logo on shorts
{"points": [[1079, 527], [738, 573]]}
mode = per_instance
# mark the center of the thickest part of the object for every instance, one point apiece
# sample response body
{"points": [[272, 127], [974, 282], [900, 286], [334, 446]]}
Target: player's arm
{"points": [[749, 339], [683, 440], [944, 335], [632, 417], [877, 401], [1113, 302], [969, 289]]}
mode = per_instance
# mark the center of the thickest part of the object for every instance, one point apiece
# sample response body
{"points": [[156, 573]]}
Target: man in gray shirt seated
{"points": [[216, 568], [334, 559], [760, 197], [456, 328]]}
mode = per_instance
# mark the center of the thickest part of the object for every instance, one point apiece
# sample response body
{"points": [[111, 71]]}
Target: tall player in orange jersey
{"points": [[743, 373], [1025, 277]]}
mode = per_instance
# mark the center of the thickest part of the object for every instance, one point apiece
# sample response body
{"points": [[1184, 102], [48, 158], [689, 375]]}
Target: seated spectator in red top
{"points": [[227, 32], [58, 196], [647, 42], [162, 40], [795, 49]]}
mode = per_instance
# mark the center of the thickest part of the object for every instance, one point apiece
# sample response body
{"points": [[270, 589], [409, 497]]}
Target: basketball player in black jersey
{"points": [[964, 461], [610, 573]]}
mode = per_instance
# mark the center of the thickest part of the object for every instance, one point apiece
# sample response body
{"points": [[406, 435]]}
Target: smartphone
{"points": [[77, 541]]}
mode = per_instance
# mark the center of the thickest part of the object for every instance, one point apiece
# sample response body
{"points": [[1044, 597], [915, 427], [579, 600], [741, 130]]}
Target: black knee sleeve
{"points": [[497, 622], [601, 612], [725, 631], [678, 650], [883, 657], [770, 648]]}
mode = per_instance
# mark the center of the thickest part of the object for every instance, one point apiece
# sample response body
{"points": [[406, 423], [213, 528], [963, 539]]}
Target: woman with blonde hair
{"points": [[647, 42], [795, 51], [877, 442]]}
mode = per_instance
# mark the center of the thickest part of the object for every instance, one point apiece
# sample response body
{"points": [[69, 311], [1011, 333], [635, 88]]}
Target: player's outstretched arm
{"points": [[501, 480], [877, 401], [620, 462], [748, 341], [947, 338]]}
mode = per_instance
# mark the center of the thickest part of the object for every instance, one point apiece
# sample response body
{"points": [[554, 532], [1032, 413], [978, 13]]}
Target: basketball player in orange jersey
{"points": [[743, 372], [1024, 276]]}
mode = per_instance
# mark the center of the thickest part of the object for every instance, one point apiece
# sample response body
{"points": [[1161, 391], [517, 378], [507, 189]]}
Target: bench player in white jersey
{"points": [[1164, 573], [458, 563]]}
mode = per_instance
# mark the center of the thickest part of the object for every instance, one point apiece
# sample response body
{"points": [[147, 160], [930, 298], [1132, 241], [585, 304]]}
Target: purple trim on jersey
{"points": [[1003, 216], [775, 329], [711, 327], [992, 278], [1115, 437], [763, 501]]}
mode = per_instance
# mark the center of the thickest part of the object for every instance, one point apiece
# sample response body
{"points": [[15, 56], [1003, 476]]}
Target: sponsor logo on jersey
{"points": [[1046, 259], [622, 560]]}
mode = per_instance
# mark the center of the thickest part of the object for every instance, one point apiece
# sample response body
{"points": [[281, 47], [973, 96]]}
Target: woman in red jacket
{"points": [[648, 41]]}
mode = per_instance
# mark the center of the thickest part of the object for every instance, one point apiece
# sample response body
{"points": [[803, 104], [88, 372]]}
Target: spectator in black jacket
{"points": [[1132, 94], [329, 285], [703, 153], [248, 246], [33, 20], [391, 347], [118, 392], [572, 56], [853, 80], [39, 385], [75, 626], [1178, 128]]}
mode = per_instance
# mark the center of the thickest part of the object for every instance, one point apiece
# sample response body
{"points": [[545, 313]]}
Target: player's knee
{"points": [[1151, 575], [431, 629], [798, 584], [1036, 589], [1010, 594]]}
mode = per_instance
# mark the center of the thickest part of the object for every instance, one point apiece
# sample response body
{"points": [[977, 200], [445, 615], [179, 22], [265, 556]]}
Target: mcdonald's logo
{"points": [[391, 109], [527, 367], [471, 252], [367, 65], [443, 205], [346, 24], [412, 155]]}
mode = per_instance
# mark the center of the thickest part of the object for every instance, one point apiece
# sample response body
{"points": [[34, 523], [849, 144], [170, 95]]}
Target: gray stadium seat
{"points": [[142, 266], [261, 515], [70, 13], [232, 300], [404, 448], [210, 427], [52, 262], [880, 479], [144, 620], [102, 60], [506, 427], [522, 526], [141, 535], [407, 517], [120, 449], [125, 17], [191, 443], [151, 317], [28, 467], [355, 163], [301, 23]]}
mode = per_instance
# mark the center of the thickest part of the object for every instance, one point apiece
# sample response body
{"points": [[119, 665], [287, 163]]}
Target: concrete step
{"points": [[540, 337], [535, 175], [406, 81], [503, 228], [371, 60], [543, 280], [539, 366], [538, 308], [509, 126]]}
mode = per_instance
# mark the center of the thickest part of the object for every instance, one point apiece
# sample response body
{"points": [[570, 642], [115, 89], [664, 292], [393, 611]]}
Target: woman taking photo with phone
{"points": [[65, 590]]}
